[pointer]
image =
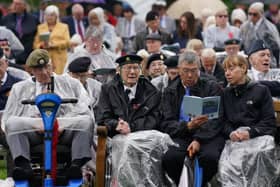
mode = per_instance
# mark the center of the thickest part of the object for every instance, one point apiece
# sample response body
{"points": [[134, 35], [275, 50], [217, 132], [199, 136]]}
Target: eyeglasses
{"points": [[253, 14], [130, 68], [191, 71], [222, 16]]}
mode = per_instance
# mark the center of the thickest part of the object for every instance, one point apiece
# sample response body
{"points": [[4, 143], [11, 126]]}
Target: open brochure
{"points": [[195, 106]]}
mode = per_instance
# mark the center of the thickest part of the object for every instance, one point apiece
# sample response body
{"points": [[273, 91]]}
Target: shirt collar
{"points": [[133, 91], [257, 74]]}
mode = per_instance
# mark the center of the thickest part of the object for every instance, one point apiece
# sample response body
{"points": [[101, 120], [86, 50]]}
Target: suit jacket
{"points": [[60, 38], [140, 39], [29, 28], [141, 113], [71, 24], [6, 88], [121, 27]]}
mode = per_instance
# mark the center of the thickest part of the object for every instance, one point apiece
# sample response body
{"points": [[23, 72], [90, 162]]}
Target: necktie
{"points": [[19, 26], [127, 92], [80, 29], [183, 116]]}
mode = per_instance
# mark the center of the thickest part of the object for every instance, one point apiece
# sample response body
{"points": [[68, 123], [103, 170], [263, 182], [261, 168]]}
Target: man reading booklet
{"points": [[197, 136]]}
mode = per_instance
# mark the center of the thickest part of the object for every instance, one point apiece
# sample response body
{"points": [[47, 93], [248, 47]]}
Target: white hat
{"points": [[238, 14]]}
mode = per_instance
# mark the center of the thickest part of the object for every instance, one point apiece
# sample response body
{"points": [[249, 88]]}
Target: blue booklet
{"points": [[195, 106]]}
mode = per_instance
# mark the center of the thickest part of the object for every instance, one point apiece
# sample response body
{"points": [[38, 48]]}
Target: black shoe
{"points": [[74, 172], [20, 173]]}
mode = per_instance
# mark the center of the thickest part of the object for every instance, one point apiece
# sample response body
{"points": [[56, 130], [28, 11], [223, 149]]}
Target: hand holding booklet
{"points": [[195, 106], [44, 37]]}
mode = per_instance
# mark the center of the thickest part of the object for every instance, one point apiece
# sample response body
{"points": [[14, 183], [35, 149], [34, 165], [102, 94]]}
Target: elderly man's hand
{"points": [[123, 127], [197, 122], [193, 148]]}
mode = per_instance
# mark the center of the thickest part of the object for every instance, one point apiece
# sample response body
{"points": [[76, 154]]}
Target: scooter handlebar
{"points": [[63, 101]]}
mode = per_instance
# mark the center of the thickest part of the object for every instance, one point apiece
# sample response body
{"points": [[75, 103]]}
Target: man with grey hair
{"points": [[210, 66], [259, 28], [196, 136], [77, 23]]}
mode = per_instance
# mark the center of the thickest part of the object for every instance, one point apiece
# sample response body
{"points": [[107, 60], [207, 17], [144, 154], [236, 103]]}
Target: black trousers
{"points": [[208, 157]]}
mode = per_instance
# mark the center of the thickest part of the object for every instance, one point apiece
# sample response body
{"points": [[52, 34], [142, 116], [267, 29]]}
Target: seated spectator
{"points": [[232, 47], [57, 42], [196, 45], [211, 67], [187, 29], [23, 124], [155, 66], [161, 82], [128, 26], [7, 80], [260, 61], [153, 26], [153, 43], [257, 27], [96, 19], [10, 43], [129, 107], [102, 60], [216, 35], [79, 69], [197, 136], [238, 17], [249, 125]]}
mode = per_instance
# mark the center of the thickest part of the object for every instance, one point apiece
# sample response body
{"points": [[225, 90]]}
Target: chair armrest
{"points": [[101, 156]]}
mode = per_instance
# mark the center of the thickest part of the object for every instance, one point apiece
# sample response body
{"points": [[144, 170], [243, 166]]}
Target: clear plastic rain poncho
{"points": [[19, 118], [251, 163], [136, 159]]}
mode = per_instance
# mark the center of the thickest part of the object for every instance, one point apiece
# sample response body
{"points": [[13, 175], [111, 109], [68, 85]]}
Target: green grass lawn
{"points": [[3, 171]]}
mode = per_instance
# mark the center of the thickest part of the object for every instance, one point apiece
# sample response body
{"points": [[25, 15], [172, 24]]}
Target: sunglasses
{"points": [[222, 16], [253, 14]]}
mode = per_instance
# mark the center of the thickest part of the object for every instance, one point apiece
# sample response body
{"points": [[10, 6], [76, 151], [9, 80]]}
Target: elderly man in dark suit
{"points": [[24, 25], [77, 23], [153, 26]]}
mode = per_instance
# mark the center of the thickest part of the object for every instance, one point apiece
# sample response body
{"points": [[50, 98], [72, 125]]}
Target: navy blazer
{"points": [[71, 24], [5, 90]]}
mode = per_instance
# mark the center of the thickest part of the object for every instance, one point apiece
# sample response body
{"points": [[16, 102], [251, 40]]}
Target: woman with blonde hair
{"points": [[196, 45], [250, 126], [53, 36]]}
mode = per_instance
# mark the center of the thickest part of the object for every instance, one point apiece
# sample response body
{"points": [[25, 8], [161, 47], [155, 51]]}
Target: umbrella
{"points": [[180, 6], [253, 1]]}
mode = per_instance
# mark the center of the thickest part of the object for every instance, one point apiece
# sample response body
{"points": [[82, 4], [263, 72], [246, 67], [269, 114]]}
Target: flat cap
{"points": [[79, 65], [153, 57], [38, 58], [152, 15], [257, 45], [172, 61], [232, 41], [129, 59], [153, 36]]}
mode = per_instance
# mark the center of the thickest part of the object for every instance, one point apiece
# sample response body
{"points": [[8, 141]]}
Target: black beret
{"points": [[153, 36], [129, 59], [79, 65], [152, 15], [172, 62], [232, 41], [256, 46], [154, 57]]}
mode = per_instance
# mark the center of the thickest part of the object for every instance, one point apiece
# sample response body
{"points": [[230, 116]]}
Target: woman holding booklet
{"points": [[53, 36], [250, 125]]}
